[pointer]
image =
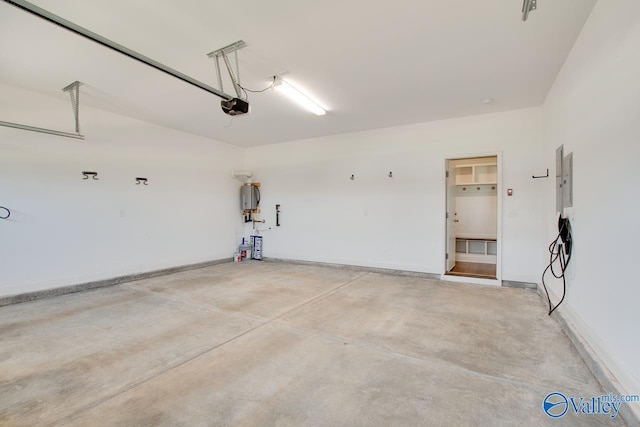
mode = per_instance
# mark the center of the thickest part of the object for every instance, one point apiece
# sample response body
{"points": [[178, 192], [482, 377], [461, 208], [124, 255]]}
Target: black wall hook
{"points": [[390, 174], [2, 210], [353, 177], [542, 176], [141, 180], [86, 174]]}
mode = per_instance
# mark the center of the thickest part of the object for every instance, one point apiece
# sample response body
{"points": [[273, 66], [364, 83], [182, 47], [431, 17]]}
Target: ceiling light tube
{"points": [[298, 97]]}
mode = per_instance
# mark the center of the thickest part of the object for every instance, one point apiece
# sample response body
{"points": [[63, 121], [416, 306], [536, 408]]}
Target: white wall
{"points": [[398, 222], [64, 230], [594, 110]]}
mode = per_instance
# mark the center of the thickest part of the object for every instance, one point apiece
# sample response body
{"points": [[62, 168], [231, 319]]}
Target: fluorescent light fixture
{"points": [[298, 97]]}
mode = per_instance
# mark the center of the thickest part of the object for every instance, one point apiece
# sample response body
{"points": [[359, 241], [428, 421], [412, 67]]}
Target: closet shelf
{"points": [[476, 250], [479, 183], [476, 174]]}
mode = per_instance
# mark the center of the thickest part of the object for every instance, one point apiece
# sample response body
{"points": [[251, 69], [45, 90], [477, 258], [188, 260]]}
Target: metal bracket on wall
{"points": [[87, 174], [541, 176]]}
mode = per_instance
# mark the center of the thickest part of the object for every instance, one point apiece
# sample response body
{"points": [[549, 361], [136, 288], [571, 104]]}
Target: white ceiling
{"points": [[372, 64]]}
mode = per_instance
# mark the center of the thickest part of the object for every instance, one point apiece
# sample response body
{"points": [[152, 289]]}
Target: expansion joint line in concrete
{"points": [[98, 402], [396, 354]]}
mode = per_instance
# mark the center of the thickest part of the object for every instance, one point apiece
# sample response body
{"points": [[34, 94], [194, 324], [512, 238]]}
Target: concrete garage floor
{"points": [[288, 345]]}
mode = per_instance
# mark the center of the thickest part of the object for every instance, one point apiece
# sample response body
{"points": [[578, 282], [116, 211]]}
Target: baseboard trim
{"points": [[521, 285], [357, 267], [629, 412], [63, 290]]}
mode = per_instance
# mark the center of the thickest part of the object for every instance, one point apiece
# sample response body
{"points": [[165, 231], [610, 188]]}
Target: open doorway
{"points": [[472, 218]]}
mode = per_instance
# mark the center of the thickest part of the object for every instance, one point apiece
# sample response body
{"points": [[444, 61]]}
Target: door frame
{"points": [[499, 186]]}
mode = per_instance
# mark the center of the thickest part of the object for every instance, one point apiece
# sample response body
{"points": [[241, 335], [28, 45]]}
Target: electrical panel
{"points": [[249, 197], [567, 181], [559, 157], [564, 179]]}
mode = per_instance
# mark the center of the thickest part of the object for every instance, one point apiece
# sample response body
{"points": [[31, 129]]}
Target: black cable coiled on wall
{"points": [[2, 208], [560, 251]]}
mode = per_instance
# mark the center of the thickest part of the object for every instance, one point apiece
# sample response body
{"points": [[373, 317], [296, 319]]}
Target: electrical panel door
{"points": [[559, 159]]}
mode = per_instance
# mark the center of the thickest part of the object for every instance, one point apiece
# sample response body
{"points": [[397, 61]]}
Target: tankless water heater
{"points": [[249, 197]]}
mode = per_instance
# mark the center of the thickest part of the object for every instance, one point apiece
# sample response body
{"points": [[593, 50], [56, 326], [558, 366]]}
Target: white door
{"points": [[451, 217]]}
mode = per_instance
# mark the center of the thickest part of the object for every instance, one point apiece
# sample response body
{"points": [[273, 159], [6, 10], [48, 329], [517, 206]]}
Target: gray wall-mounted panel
{"points": [[567, 181], [559, 158]]}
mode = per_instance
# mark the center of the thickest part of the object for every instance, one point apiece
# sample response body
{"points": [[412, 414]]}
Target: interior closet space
{"points": [[472, 216]]}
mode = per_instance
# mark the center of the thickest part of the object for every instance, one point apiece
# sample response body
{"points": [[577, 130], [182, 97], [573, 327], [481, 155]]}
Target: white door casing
{"points": [[450, 261]]}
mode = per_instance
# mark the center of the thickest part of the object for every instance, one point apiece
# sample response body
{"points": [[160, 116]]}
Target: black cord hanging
{"points": [[560, 251], [2, 216]]}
